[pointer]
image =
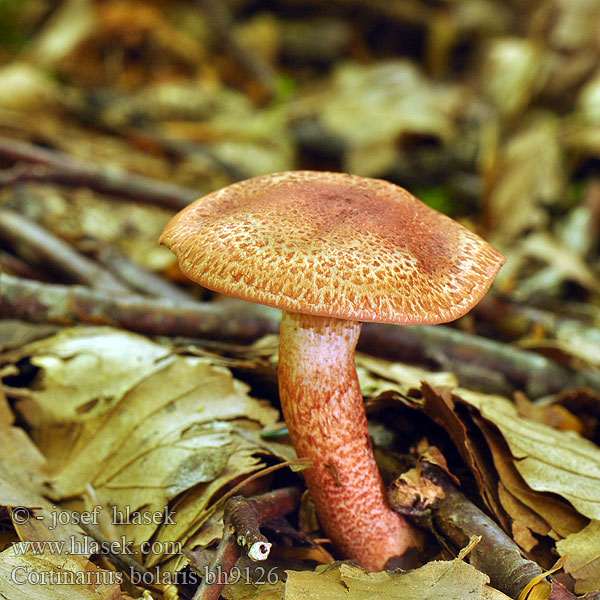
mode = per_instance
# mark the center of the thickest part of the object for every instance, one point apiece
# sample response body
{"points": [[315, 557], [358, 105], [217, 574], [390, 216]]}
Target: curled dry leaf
{"points": [[194, 508], [440, 406], [528, 508], [525, 522], [549, 460], [583, 562], [85, 372], [376, 376], [513, 71], [411, 489], [529, 460]]}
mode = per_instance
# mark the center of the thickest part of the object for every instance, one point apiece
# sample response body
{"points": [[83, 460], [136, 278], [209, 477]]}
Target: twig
{"points": [[222, 23], [31, 239], [457, 519], [38, 302], [141, 279], [494, 310], [242, 518], [274, 504], [515, 319], [57, 167], [476, 361], [145, 134], [223, 561], [15, 266]]}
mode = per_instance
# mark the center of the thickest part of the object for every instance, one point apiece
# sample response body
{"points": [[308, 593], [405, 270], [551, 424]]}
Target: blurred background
{"points": [[488, 110]]}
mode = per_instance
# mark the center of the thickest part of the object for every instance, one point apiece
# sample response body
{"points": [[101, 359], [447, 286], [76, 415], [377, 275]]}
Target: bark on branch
{"points": [[453, 516], [56, 167], [38, 302], [31, 240]]}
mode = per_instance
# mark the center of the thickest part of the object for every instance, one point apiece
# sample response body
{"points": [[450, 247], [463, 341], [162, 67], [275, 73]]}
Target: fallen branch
{"points": [[450, 514], [56, 167], [30, 239], [224, 560], [145, 134], [478, 362], [38, 302], [242, 518], [15, 266], [518, 321]]}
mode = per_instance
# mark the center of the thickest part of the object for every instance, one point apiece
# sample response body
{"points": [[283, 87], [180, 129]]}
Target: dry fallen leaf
{"points": [[440, 406], [167, 424], [253, 591], [437, 580], [24, 88], [513, 71], [7, 417], [55, 577], [529, 177], [525, 522], [21, 469], [85, 372], [376, 376], [69, 25], [22, 476], [528, 507], [583, 562], [194, 508], [549, 460], [566, 263]]}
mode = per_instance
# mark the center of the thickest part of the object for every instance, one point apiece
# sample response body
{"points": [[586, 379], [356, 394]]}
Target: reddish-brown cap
{"points": [[335, 245]]}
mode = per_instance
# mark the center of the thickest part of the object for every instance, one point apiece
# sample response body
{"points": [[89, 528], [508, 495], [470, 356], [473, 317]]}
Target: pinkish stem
{"points": [[324, 410]]}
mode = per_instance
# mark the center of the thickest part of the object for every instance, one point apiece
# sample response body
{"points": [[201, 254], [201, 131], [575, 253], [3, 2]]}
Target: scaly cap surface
{"points": [[333, 244]]}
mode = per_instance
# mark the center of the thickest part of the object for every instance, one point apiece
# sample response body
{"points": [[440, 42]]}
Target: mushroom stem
{"points": [[324, 410]]}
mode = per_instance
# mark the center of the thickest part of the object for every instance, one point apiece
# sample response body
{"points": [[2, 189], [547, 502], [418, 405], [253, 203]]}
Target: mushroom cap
{"points": [[333, 244]]}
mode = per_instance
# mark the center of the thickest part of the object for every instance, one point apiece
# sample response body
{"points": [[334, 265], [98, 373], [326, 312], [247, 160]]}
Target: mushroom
{"points": [[333, 250]]}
